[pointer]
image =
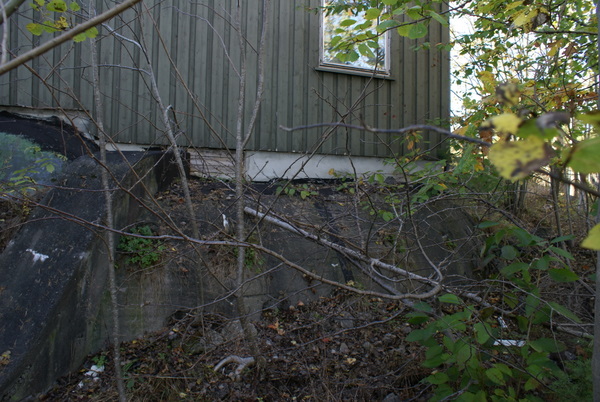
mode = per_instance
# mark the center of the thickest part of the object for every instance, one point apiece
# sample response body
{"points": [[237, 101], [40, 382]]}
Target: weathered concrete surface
{"points": [[53, 273], [189, 281]]}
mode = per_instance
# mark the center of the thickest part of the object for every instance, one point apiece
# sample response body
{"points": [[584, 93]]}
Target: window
{"points": [[367, 56]]}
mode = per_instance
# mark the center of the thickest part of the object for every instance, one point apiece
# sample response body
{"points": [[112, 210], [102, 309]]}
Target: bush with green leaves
{"points": [[140, 249], [501, 350], [25, 165]]}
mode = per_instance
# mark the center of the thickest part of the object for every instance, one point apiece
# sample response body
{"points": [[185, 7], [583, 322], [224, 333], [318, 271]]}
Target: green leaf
{"points": [[561, 252], [509, 253], [513, 268], [417, 31], [495, 375], [387, 216], [525, 238], [563, 275], [404, 30], [531, 384], [522, 323], [365, 50], [561, 239], [423, 306], [546, 345], [530, 128], [415, 12], [347, 23], [36, 29], [592, 118], [536, 358], [510, 299], [417, 318], [434, 351], [504, 369], [482, 332], [562, 310], [58, 6], [437, 378], [464, 351], [531, 303], [450, 298], [372, 14], [542, 263], [49, 28], [442, 20], [92, 32], [592, 241], [542, 315], [436, 361], [418, 335], [583, 157], [386, 25], [352, 56], [79, 37], [74, 7]]}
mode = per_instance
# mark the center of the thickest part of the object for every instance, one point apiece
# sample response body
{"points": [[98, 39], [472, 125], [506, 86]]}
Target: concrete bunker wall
{"points": [[53, 274]]}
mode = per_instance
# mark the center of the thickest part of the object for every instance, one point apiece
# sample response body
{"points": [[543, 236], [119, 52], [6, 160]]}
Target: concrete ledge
{"points": [[267, 166]]}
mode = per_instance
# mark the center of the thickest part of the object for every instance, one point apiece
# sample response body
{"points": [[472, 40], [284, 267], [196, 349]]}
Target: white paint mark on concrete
{"points": [[37, 256]]}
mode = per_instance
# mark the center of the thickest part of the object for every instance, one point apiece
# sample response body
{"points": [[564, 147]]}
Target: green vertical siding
{"points": [[196, 61]]}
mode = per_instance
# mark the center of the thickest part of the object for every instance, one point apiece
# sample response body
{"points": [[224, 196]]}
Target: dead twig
{"points": [[242, 363]]}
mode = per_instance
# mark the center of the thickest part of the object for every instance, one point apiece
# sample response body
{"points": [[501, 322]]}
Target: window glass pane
{"points": [[369, 54]]}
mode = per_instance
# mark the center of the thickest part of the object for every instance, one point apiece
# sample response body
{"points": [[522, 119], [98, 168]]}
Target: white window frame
{"points": [[326, 64]]}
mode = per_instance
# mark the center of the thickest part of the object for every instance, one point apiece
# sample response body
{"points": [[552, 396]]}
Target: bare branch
{"points": [[9, 8], [24, 58]]}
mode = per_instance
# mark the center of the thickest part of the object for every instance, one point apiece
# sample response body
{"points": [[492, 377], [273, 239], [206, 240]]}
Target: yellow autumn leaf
{"points": [[506, 123], [488, 79], [61, 23], [555, 48], [515, 160], [513, 5], [508, 93], [592, 241], [525, 17], [460, 131]]}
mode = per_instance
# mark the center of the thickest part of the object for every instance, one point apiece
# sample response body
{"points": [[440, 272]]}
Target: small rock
{"points": [[233, 329], [222, 391], [344, 349], [388, 339], [391, 398]]}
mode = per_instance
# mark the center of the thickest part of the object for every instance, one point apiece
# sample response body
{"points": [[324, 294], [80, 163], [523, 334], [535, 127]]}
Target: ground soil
{"points": [[339, 348]]}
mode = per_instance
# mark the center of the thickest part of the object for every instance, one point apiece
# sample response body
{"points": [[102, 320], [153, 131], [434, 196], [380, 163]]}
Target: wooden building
{"points": [[193, 48]]}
